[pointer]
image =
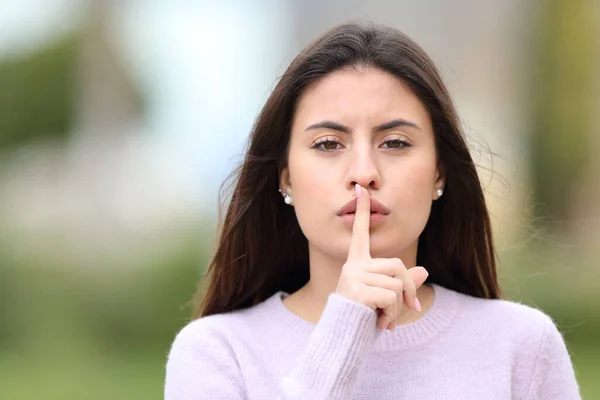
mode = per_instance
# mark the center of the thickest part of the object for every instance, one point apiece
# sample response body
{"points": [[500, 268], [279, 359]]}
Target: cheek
{"points": [[310, 186], [414, 187], [419, 182], [306, 176], [414, 181]]}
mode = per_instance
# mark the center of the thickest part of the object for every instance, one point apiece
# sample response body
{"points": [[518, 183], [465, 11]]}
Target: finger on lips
{"points": [[359, 244], [388, 281]]}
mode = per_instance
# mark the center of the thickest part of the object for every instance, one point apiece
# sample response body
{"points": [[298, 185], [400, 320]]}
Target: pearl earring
{"points": [[439, 192], [287, 198]]}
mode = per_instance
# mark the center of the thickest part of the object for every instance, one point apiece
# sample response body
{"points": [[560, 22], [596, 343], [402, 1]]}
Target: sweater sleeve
{"points": [[202, 365], [553, 373], [337, 347]]}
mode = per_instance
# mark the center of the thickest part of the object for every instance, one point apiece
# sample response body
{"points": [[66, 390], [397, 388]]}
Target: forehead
{"points": [[364, 95]]}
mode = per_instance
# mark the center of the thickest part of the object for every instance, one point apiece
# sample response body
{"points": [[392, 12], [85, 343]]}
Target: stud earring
{"points": [[287, 198], [439, 192]]}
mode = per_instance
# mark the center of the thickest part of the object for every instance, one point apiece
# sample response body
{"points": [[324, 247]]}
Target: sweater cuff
{"points": [[338, 345]]}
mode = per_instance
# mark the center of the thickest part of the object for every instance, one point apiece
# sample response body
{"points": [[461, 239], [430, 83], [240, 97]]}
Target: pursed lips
{"points": [[376, 208], [379, 213]]}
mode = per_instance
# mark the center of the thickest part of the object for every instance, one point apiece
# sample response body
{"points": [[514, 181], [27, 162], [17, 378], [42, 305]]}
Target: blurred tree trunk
{"points": [[107, 98], [562, 104]]}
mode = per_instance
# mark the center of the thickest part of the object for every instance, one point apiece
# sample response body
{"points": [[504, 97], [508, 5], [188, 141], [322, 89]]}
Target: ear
{"points": [[440, 177], [284, 179], [440, 181]]}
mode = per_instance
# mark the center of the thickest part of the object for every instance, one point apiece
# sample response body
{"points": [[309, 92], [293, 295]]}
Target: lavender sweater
{"points": [[463, 348]]}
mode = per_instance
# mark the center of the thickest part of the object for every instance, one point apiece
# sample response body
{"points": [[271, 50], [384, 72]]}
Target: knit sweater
{"points": [[462, 348]]}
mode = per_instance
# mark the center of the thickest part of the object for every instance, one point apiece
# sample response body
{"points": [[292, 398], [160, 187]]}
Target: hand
{"points": [[383, 284]]}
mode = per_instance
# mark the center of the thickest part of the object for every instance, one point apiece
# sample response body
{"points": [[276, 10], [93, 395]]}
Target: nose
{"points": [[363, 169]]}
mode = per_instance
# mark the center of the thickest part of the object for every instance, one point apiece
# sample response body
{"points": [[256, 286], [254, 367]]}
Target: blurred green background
{"points": [[112, 150]]}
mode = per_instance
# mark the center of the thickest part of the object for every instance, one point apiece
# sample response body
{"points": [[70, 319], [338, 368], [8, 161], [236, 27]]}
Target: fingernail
{"points": [[417, 304], [420, 266], [358, 191]]}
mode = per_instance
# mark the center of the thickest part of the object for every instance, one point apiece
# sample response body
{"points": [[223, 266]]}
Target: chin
{"points": [[387, 247]]}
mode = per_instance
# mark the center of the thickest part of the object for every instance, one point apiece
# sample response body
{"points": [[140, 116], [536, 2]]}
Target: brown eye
{"points": [[395, 144], [329, 145], [326, 145]]}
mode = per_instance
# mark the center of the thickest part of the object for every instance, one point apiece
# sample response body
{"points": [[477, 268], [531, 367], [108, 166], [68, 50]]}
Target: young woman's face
{"points": [[364, 127]]}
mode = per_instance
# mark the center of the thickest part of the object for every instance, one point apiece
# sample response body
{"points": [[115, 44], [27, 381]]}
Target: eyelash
{"points": [[319, 143]]}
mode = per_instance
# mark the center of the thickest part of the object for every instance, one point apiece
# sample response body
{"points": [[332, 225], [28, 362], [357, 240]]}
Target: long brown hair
{"points": [[261, 248]]}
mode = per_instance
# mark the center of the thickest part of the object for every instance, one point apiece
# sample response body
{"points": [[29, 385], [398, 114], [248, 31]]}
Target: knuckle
{"points": [[398, 265], [410, 286], [391, 297], [398, 262], [397, 285]]}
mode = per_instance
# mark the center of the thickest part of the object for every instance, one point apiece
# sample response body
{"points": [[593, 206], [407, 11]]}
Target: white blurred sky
{"points": [[204, 91], [25, 24]]}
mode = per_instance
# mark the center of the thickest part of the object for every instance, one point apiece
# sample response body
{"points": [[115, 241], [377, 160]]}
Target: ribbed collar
{"points": [[437, 319]]}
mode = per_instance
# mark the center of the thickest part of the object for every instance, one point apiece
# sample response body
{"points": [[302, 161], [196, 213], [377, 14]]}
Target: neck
{"points": [[310, 300]]}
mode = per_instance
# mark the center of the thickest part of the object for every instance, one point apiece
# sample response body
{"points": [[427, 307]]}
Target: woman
{"points": [[357, 175]]}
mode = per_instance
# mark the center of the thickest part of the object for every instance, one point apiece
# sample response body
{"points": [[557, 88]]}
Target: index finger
{"points": [[359, 243]]}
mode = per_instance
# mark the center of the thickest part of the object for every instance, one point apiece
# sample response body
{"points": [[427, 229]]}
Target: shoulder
{"points": [[532, 341], [224, 330], [206, 357], [515, 321], [505, 311], [210, 329]]}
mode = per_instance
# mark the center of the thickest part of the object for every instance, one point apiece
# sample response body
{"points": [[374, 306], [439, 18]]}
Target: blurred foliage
{"points": [[563, 104], [93, 334], [124, 308], [37, 94]]}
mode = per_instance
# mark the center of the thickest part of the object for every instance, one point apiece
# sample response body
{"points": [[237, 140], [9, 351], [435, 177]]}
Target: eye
{"points": [[396, 144], [326, 144]]}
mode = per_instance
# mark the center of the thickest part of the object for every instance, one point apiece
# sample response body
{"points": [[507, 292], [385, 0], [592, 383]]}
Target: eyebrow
{"points": [[379, 128]]}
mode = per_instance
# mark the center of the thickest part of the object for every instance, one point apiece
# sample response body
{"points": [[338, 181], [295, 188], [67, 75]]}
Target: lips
{"points": [[376, 208]]}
